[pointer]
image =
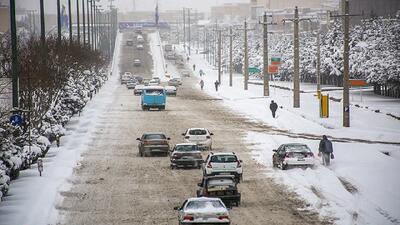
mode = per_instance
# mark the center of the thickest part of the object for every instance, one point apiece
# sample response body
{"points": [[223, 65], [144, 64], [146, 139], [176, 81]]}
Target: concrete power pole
{"points": [[265, 56], [318, 65], [296, 45], [296, 78], [219, 54], [184, 31], [246, 59], [230, 56], [346, 76]]}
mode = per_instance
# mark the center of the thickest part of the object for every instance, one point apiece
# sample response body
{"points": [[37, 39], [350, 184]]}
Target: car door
{"points": [[181, 211]]}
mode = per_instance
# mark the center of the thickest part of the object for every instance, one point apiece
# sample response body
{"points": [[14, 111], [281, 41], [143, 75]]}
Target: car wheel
{"points": [[283, 166], [172, 167]]}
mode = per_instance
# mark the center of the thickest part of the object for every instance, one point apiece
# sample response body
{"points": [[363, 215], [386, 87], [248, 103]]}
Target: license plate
{"points": [[224, 173], [301, 159]]}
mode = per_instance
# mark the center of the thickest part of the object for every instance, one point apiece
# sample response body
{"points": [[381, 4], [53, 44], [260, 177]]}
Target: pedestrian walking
{"points": [[201, 72], [201, 84], [273, 107], [40, 166], [216, 83], [194, 67], [325, 150], [58, 140]]}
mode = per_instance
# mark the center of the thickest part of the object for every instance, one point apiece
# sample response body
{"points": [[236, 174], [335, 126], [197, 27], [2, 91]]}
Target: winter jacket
{"points": [[325, 146], [273, 106]]}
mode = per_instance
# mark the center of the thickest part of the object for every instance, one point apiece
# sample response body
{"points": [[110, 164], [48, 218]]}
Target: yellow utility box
{"points": [[324, 106]]}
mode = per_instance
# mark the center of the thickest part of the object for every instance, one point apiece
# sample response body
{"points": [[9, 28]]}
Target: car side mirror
{"points": [[211, 133], [240, 161], [168, 139], [183, 134], [176, 208], [138, 139], [274, 150], [199, 184]]}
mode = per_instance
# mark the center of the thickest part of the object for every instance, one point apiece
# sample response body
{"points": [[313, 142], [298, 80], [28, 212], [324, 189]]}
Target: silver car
{"points": [[203, 211]]}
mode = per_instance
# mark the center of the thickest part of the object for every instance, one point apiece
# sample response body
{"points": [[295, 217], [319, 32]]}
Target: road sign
{"points": [[254, 70], [357, 83], [275, 60], [273, 69], [16, 120]]}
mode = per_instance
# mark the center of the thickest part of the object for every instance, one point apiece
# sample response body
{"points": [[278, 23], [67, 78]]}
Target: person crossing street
{"points": [[201, 84], [325, 150], [273, 107]]}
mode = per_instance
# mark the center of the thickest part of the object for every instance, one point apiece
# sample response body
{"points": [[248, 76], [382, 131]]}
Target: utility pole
{"points": [[42, 27], [184, 30], [246, 59], [77, 21], [88, 22], [219, 54], [296, 45], [92, 3], [70, 21], [58, 23], [84, 22], [230, 57], [189, 28], [318, 65], [346, 76], [14, 51], [265, 53]]}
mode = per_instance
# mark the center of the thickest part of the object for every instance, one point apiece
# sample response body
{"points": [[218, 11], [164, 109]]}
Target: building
{"points": [[290, 4], [373, 8], [230, 11], [4, 19]]}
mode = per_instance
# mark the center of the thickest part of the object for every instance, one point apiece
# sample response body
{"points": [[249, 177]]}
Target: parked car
{"points": [[125, 77], [139, 78], [186, 155], [203, 211], [200, 136], [138, 89], [139, 47], [146, 81], [137, 62], [293, 154], [153, 143], [153, 97], [175, 82], [153, 82], [223, 163], [170, 90], [185, 73], [220, 186], [129, 42]]}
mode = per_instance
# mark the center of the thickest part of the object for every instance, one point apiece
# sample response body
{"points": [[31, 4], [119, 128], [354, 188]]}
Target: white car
{"points": [[153, 82], [170, 90], [126, 77], [293, 154], [139, 47], [137, 62], [203, 211], [223, 163], [200, 136], [138, 89]]}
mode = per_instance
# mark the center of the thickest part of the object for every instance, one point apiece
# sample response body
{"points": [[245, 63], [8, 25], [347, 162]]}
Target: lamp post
{"points": [[77, 21], [14, 52], [58, 23]]}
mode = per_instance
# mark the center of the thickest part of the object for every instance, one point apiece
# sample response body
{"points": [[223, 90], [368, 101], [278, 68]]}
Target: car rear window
{"points": [[223, 158], [197, 132], [186, 148], [155, 136], [220, 182], [297, 148], [154, 92], [204, 204]]}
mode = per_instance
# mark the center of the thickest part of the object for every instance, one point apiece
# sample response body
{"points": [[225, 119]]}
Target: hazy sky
{"points": [[127, 5]]}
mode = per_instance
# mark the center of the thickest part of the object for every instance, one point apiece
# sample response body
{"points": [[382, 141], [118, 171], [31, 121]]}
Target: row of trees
{"points": [[56, 81], [374, 52]]}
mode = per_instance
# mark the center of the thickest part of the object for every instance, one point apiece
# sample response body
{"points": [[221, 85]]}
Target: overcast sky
{"points": [[141, 5]]}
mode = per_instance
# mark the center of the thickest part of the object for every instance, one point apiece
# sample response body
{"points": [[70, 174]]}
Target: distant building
{"points": [[4, 19], [373, 8], [230, 11]]}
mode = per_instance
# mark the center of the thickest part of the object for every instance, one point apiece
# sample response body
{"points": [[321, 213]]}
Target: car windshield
{"points": [[220, 182], [204, 204], [154, 136], [223, 158], [297, 148], [186, 148], [197, 132], [154, 92]]}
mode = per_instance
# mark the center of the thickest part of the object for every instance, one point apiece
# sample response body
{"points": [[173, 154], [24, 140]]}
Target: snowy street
{"points": [[125, 113]]}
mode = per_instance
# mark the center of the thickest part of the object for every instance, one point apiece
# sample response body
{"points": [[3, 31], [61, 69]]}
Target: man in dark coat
{"points": [[325, 150], [216, 83], [273, 107]]}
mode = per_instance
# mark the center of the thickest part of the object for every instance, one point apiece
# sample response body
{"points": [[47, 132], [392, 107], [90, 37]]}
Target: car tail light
{"points": [[164, 142], [208, 137], [209, 165], [288, 155], [310, 154], [238, 164], [188, 217], [187, 137], [223, 217]]}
